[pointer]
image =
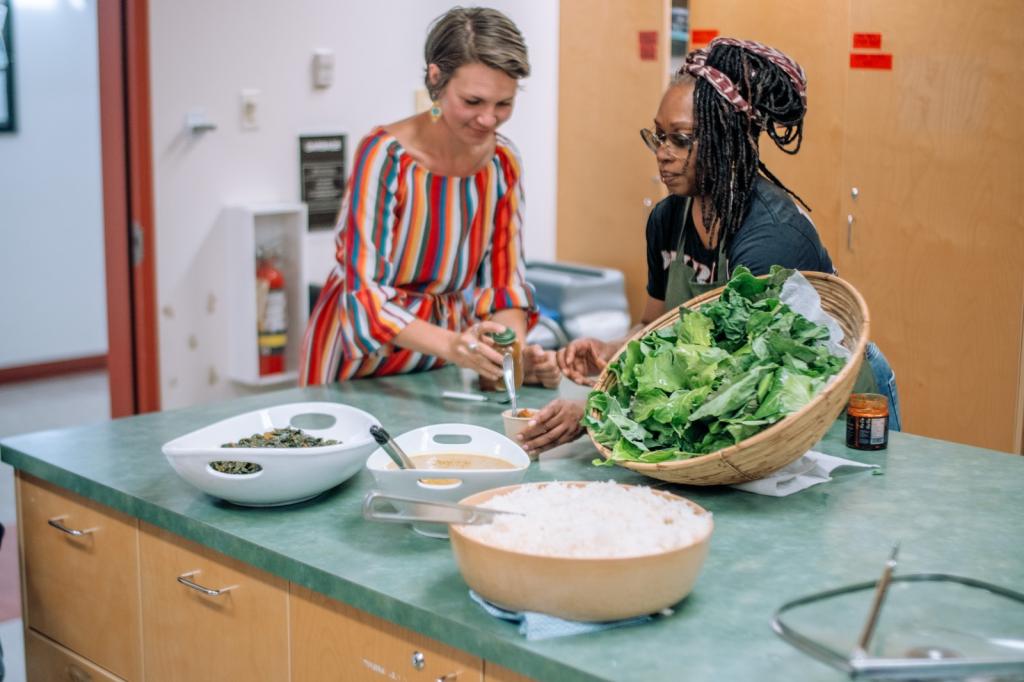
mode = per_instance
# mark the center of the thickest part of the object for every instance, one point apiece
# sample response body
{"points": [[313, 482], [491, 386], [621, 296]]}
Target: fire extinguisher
{"points": [[272, 314]]}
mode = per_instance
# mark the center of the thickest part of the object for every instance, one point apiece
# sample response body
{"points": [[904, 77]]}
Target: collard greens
{"points": [[716, 377]]}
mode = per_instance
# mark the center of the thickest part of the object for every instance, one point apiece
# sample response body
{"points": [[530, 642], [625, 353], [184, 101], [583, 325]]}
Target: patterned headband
{"points": [[696, 65]]}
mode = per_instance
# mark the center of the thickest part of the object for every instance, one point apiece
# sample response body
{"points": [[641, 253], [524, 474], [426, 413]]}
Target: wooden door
{"points": [[815, 34], [933, 148], [607, 179], [240, 633], [123, 32]]}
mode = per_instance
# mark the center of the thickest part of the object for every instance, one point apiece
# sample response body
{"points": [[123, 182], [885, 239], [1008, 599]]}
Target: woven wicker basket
{"points": [[787, 439]]}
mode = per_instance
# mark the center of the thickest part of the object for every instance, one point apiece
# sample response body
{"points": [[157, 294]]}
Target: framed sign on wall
{"points": [[322, 171], [6, 69]]}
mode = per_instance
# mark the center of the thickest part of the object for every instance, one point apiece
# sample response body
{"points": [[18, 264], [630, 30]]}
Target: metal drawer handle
{"points": [[74, 532], [184, 580], [418, 660]]}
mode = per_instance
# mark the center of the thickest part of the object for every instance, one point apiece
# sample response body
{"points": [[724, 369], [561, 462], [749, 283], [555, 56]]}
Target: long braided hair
{"points": [[762, 90]]}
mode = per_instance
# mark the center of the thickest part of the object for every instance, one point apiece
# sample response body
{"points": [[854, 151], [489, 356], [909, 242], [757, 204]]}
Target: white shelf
{"points": [[251, 226]]}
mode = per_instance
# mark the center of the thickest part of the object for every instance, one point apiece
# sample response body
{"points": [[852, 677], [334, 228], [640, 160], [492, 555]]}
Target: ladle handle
{"points": [[387, 443]]}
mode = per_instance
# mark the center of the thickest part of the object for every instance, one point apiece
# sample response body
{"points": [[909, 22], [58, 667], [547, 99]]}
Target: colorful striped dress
{"points": [[414, 245]]}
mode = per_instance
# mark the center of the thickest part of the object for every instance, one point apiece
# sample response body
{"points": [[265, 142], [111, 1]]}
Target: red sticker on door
{"points": [[867, 41], [648, 45], [703, 36], [871, 61]]}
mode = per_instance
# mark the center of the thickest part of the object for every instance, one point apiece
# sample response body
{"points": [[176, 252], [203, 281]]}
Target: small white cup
{"points": [[514, 424]]}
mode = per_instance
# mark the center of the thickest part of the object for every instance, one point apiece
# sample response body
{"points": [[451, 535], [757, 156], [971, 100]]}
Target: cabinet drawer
{"points": [[47, 661], [81, 583], [239, 634], [333, 641]]}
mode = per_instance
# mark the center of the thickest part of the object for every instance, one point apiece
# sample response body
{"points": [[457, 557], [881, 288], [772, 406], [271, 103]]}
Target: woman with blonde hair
{"points": [[429, 242]]}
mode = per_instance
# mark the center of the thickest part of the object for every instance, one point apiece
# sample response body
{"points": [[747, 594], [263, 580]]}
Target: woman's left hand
{"points": [[541, 367], [557, 423]]}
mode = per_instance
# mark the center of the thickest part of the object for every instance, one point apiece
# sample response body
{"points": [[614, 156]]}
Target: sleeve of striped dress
{"points": [[368, 231], [501, 281]]}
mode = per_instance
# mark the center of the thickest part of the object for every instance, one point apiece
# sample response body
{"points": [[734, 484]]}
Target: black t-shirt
{"points": [[775, 232]]}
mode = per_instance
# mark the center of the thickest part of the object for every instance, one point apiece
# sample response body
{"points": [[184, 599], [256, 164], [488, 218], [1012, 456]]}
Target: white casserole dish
{"points": [[287, 475]]}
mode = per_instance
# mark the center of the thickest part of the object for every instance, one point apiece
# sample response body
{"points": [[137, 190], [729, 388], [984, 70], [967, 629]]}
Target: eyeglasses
{"points": [[677, 142]]}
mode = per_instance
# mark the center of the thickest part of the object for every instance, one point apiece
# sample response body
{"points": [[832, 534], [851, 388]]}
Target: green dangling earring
{"points": [[435, 111]]}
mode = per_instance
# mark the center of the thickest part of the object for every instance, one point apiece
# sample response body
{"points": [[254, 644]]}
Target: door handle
{"points": [[849, 232]]}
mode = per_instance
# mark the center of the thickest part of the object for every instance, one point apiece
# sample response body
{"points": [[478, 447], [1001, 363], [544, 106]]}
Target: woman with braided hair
{"points": [[725, 209]]}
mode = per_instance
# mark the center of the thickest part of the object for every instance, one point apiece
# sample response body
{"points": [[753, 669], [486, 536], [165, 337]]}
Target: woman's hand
{"points": [[583, 359], [557, 423], [541, 367], [472, 350]]}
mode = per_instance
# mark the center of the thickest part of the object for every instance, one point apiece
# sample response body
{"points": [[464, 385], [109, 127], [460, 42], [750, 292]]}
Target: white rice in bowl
{"points": [[600, 520]]}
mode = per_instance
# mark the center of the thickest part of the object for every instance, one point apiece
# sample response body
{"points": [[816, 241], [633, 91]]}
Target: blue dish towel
{"points": [[536, 626]]}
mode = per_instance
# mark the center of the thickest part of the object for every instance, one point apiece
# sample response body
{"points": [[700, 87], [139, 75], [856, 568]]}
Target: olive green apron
{"points": [[682, 282], [682, 285]]}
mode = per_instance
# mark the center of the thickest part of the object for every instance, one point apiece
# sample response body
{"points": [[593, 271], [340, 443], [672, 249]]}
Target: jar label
{"points": [[867, 433]]}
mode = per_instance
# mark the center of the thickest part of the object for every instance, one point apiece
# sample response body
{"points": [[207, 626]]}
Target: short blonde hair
{"points": [[474, 35]]}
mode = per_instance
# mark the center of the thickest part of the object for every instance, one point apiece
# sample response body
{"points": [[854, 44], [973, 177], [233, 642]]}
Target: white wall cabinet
{"points": [[280, 228]]}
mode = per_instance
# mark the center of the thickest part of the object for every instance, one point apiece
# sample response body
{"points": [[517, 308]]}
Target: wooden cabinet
{"points": [[333, 641], [108, 597], [207, 616], [937, 239], [914, 174], [48, 661], [81, 576], [608, 90]]}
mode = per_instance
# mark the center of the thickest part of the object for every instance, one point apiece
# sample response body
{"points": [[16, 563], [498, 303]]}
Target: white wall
{"points": [[204, 53], [51, 212]]}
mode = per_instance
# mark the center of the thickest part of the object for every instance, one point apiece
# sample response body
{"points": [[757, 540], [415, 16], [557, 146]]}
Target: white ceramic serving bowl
{"points": [[288, 475], [447, 438]]}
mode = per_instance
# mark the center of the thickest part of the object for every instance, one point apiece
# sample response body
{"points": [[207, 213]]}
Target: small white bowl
{"points": [[447, 438], [287, 475]]}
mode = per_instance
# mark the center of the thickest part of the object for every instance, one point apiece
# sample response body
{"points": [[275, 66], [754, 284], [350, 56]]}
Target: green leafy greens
{"points": [[716, 377]]}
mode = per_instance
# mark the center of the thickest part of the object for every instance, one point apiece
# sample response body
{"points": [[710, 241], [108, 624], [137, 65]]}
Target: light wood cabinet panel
{"points": [[81, 591], [937, 243], [240, 634], [496, 673], [333, 641], [932, 147], [605, 173], [47, 661]]}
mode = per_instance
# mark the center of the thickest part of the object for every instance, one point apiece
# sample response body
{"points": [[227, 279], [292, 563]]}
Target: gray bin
{"points": [[581, 300]]}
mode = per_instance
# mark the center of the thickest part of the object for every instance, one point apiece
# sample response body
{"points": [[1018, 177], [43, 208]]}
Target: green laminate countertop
{"points": [[954, 508]]}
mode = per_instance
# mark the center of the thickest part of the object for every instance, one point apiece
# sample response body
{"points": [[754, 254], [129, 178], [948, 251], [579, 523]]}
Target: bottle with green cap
{"points": [[507, 343]]}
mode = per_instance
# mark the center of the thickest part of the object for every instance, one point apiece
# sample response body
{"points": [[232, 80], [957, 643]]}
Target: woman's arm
{"points": [[465, 349]]}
